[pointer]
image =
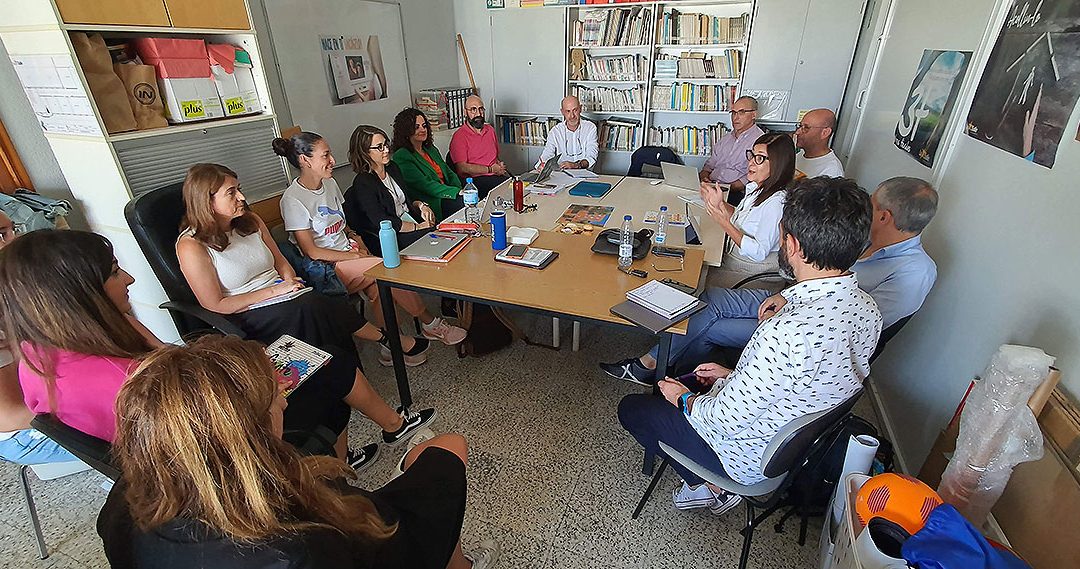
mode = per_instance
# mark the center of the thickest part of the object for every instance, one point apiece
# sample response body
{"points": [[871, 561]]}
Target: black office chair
{"points": [[154, 218], [887, 334], [784, 457], [651, 156]]}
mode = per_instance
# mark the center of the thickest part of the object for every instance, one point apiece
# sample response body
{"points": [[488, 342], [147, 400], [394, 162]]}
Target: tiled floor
{"points": [[553, 476]]}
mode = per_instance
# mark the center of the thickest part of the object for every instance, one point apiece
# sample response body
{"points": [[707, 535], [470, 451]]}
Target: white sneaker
{"points": [[687, 498], [442, 331], [484, 556], [422, 436]]}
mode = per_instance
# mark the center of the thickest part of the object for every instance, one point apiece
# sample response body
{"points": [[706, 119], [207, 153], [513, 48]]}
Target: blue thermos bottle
{"points": [[498, 230], [388, 241]]}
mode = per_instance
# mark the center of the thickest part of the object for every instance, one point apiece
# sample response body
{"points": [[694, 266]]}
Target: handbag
{"points": [[607, 242]]}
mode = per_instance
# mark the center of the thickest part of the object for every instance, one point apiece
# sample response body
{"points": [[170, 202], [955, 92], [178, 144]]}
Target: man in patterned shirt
{"points": [[812, 355]]}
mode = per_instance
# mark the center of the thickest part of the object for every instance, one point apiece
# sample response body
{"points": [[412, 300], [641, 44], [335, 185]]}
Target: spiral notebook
{"points": [[295, 360]]}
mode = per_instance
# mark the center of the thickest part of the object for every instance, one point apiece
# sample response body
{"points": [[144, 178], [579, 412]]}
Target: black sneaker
{"points": [[414, 357], [363, 457], [412, 422], [630, 370]]}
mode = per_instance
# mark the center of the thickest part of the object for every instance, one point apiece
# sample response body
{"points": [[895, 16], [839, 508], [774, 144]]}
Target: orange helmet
{"points": [[898, 498]]}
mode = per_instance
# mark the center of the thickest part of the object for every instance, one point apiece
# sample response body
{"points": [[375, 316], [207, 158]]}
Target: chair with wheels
{"points": [[784, 457]]}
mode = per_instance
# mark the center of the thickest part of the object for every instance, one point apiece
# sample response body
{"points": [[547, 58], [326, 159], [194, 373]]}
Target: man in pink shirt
{"points": [[474, 150], [727, 164]]}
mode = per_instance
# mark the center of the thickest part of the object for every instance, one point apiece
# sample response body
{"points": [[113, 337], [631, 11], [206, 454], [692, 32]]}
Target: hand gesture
{"points": [[499, 168], [568, 165], [427, 214], [717, 208], [708, 373], [672, 390], [770, 307]]}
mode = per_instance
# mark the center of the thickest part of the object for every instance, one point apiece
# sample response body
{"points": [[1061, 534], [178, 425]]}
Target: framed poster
{"points": [[930, 102]]}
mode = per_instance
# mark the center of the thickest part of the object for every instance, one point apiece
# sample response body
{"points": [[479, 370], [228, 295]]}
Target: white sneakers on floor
{"points": [[484, 555], [688, 498], [423, 435]]}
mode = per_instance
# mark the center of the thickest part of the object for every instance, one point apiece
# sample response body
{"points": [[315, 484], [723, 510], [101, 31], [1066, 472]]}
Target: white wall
{"points": [[1004, 239]]}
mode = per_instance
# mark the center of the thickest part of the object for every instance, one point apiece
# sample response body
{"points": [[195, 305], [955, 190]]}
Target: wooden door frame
{"points": [[12, 172]]}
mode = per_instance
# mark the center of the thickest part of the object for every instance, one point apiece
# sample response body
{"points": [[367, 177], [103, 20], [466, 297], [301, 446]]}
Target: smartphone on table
{"points": [[517, 251]]}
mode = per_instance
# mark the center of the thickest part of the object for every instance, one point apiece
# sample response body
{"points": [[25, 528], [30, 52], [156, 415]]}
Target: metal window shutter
{"points": [[153, 162]]}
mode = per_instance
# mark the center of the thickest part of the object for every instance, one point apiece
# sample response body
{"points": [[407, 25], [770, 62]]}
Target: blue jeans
{"points": [[31, 447], [650, 419], [728, 322]]}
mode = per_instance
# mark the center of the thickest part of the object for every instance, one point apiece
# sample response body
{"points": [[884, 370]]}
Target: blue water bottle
{"points": [[498, 230], [388, 241]]}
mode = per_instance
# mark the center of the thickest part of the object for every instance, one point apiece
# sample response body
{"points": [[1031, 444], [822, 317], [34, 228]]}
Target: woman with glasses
{"points": [[752, 229], [426, 175], [378, 193]]}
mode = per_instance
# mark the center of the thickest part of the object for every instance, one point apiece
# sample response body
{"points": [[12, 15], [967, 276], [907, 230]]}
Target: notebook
{"points": [[650, 320], [437, 246], [661, 298], [295, 360], [590, 189], [534, 257], [280, 298]]}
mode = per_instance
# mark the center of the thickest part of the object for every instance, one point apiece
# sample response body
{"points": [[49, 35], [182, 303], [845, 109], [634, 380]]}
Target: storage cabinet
{"points": [[114, 12], [218, 14]]}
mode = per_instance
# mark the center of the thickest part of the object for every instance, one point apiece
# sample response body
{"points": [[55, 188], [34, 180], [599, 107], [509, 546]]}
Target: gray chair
{"points": [[784, 457]]}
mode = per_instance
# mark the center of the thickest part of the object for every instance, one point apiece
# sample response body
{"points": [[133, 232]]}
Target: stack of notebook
{"points": [[662, 299], [436, 247]]}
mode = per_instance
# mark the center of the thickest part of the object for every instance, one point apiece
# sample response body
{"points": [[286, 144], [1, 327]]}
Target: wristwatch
{"points": [[683, 399]]}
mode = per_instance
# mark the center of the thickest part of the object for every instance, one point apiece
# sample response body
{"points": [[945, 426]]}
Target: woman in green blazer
{"points": [[427, 177]]}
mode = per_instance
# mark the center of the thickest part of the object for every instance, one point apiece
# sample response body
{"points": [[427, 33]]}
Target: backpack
{"points": [[29, 211], [489, 330]]}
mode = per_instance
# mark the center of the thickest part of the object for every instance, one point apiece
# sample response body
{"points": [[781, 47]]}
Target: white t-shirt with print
{"points": [[321, 211]]}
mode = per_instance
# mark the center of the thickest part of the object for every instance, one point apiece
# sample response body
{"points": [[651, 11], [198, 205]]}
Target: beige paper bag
{"points": [[140, 83], [105, 86]]}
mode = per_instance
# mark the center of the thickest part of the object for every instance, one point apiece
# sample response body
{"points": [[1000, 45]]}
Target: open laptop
{"points": [[505, 191], [544, 173], [692, 236], [685, 177]]}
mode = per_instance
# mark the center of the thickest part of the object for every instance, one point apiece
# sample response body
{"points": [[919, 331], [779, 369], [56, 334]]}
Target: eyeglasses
{"points": [[758, 159], [742, 111], [381, 147], [802, 126]]}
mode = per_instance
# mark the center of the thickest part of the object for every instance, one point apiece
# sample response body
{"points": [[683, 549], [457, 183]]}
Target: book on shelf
{"points": [[610, 99], [684, 96], [630, 67], [613, 27], [687, 140], [616, 134], [683, 28], [700, 65], [530, 131], [444, 107]]}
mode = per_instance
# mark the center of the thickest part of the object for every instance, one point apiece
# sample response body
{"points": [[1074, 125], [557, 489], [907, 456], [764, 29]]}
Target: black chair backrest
{"points": [[887, 334], [91, 450], [793, 442], [154, 219], [653, 155]]}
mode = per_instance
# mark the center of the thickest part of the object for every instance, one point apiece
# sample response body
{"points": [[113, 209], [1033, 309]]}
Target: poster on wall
{"points": [[1031, 81], [354, 69], [495, 4], [930, 102]]}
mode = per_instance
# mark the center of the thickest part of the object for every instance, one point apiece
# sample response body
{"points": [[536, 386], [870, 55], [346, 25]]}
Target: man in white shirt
{"points": [[812, 137], [810, 356], [574, 139]]}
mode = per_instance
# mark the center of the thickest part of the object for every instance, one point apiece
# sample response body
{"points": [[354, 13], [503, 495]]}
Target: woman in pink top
{"points": [[66, 308]]}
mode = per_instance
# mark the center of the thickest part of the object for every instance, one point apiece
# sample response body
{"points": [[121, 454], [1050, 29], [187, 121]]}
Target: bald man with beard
{"points": [[474, 149]]}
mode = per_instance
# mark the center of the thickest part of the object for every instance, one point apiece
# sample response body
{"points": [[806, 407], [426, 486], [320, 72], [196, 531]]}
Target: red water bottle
{"points": [[519, 195]]}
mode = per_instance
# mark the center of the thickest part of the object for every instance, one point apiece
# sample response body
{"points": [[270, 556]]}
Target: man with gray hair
{"points": [[894, 269], [727, 163]]}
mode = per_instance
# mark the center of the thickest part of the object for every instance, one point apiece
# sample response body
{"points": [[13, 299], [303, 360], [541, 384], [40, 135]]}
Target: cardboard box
{"points": [[235, 83], [184, 78]]}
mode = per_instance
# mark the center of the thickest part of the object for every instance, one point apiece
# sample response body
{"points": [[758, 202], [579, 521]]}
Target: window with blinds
{"points": [[151, 163]]}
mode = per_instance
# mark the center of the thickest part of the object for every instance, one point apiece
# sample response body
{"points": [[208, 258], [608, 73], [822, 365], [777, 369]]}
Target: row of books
{"points": [[615, 134], [699, 65], [692, 97], [444, 107], [526, 130], [618, 26], [608, 99], [692, 29], [607, 67], [688, 140]]}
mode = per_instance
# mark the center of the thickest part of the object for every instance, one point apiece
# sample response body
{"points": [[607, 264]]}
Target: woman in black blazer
{"points": [[378, 192]]}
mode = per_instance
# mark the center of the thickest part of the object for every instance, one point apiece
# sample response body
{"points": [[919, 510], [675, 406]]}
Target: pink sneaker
{"points": [[440, 330]]}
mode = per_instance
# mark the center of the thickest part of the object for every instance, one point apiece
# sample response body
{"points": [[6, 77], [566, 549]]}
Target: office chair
{"points": [[785, 455], [887, 334], [651, 156], [154, 219]]}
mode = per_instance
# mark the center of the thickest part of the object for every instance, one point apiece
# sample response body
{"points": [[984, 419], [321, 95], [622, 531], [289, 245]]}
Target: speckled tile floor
{"points": [[553, 476]]}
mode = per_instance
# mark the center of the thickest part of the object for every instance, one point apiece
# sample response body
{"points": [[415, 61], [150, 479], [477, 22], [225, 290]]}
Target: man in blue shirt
{"points": [[895, 270]]}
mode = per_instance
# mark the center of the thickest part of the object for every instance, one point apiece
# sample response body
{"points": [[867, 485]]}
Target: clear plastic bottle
{"points": [[661, 225], [626, 243], [471, 196]]}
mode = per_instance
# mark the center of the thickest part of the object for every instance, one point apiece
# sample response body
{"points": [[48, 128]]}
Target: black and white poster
{"points": [[1031, 81]]}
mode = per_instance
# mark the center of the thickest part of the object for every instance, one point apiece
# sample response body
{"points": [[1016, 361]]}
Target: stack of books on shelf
{"points": [[608, 67], [617, 134], [699, 65], [689, 140], [608, 99], [531, 131], [696, 29], [616, 26], [444, 107], [692, 97], [665, 68]]}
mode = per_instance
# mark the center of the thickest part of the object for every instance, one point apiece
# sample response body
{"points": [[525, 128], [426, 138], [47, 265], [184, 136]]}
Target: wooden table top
{"points": [[579, 283]]}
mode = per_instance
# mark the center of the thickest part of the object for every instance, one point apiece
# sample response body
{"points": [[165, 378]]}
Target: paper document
{"points": [[581, 173], [280, 298], [555, 183]]}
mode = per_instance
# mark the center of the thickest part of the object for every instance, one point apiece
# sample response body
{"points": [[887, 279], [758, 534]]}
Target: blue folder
{"points": [[590, 189]]}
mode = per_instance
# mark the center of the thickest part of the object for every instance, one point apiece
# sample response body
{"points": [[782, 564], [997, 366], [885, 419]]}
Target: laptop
{"points": [[692, 236], [543, 174], [503, 192], [685, 177]]}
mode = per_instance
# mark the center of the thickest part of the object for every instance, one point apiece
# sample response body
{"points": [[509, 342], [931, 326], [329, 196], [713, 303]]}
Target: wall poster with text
{"points": [[930, 102], [1031, 81], [354, 69]]}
